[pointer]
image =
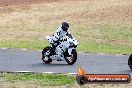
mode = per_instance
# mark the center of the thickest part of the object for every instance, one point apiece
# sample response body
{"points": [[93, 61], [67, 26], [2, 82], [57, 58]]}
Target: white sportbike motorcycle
{"points": [[70, 55]]}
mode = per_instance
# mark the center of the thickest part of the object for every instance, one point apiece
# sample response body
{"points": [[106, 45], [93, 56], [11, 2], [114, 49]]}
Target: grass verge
{"points": [[36, 79], [83, 46]]}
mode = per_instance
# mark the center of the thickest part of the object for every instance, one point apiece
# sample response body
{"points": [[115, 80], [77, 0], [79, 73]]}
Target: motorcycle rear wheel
{"points": [[45, 58]]}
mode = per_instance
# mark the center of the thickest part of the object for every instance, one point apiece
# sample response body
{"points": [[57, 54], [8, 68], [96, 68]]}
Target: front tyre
{"points": [[130, 62], [72, 59], [45, 58]]}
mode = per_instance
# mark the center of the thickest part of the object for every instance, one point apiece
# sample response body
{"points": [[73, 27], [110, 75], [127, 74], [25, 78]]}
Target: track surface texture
{"points": [[27, 60]]}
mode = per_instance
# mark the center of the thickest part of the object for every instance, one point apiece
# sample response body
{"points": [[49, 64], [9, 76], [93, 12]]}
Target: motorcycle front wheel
{"points": [[72, 59], [45, 58]]}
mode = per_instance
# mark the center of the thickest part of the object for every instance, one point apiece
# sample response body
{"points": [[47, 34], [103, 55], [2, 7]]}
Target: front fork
{"points": [[70, 51]]}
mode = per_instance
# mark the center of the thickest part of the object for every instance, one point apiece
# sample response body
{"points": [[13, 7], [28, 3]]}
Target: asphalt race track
{"points": [[27, 60]]}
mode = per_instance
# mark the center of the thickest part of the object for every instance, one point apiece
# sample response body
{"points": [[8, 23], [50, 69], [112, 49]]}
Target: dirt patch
{"points": [[116, 14]]}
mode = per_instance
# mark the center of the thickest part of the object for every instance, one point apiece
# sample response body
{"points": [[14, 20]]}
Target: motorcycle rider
{"points": [[58, 40]]}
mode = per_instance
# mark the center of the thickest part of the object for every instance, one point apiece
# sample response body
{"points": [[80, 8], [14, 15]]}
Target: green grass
{"points": [[104, 48], [37, 79], [108, 38], [34, 45], [82, 47]]}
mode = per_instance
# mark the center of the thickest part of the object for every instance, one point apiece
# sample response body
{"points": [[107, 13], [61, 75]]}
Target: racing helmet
{"points": [[65, 26]]}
